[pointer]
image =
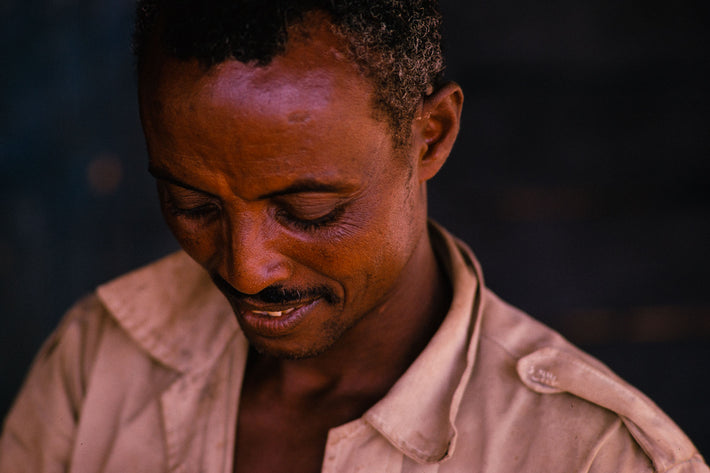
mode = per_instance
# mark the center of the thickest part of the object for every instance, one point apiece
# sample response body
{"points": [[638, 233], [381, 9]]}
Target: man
{"points": [[327, 326]]}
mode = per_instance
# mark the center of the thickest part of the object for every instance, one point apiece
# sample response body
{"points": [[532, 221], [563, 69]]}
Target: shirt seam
{"points": [[501, 346], [696, 458]]}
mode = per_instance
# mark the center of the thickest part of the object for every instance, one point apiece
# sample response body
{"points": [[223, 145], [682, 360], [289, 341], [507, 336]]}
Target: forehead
{"points": [[305, 108], [314, 64]]}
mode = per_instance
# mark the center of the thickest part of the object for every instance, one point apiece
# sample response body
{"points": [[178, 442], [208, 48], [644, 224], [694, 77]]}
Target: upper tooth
{"points": [[275, 313]]}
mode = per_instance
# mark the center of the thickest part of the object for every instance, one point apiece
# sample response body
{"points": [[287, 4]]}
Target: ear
{"points": [[435, 128]]}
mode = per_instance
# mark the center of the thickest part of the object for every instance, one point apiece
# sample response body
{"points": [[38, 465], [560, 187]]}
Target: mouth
{"points": [[273, 321], [275, 313]]}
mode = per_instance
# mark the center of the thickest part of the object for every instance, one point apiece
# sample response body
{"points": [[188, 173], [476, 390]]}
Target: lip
{"points": [[255, 319]]}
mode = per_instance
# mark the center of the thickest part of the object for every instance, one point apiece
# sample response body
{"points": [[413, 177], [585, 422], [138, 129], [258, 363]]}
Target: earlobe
{"points": [[435, 128]]}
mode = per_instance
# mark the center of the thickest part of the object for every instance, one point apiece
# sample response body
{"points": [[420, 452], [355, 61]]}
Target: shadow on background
{"points": [[580, 177]]}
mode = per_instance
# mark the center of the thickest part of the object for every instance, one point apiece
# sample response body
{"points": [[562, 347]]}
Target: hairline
{"points": [[400, 127]]}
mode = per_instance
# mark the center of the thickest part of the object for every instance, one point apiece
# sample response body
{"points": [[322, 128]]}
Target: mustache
{"points": [[279, 294]]}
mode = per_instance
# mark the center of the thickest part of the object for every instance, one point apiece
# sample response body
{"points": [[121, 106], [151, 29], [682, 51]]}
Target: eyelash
{"points": [[204, 211], [196, 213], [312, 225]]}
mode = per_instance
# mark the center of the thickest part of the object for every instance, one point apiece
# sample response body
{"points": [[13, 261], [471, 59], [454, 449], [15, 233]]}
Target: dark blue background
{"points": [[580, 177]]}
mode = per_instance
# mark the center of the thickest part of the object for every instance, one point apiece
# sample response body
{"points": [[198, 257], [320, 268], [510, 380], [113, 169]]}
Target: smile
{"points": [[278, 313], [274, 321]]}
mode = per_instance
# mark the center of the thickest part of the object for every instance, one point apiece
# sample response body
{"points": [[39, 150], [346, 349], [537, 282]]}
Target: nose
{"points": [[251, 260]]}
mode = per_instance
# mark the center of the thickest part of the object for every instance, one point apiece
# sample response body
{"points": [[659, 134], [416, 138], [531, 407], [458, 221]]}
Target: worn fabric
{"points": [[145, 376]]}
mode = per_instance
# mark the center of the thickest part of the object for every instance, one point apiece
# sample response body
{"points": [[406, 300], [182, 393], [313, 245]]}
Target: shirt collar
{"points": [[417, 415], [173, 311]]}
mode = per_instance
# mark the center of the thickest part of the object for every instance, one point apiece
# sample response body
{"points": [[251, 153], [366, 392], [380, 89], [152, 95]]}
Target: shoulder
{"points": [[45, 412], [142, 310], [172, 310], [72, 348], [558, 399]]}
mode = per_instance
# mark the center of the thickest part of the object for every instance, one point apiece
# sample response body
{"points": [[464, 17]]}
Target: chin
{"points": [[288, 353], [301, 349]]}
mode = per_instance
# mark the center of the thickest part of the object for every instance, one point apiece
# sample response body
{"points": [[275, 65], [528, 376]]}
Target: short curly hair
{"points": [[395, 43]]}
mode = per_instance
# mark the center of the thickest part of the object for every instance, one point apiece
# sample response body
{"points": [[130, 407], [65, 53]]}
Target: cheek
{"points": [[198, 241], [371, 249]]}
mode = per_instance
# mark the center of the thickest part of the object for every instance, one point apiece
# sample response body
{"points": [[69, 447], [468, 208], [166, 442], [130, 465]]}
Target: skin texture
{"points": [[282, 182]]}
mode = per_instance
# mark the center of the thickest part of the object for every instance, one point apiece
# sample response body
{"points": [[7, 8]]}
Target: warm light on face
{"points": [[281, 182]]}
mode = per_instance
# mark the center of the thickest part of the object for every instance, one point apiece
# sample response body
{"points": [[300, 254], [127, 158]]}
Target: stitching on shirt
{"points": [[542, 376], [494, 341]]}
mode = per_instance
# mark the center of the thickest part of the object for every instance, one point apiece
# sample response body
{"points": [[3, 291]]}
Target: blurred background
{"points": [[579, 179]]}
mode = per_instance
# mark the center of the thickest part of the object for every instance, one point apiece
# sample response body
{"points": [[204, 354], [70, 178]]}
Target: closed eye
{"points": [[194, 213], [310, 224]]}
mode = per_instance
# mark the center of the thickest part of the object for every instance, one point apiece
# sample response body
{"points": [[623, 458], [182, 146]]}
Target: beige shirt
{"points": [[145, 376]]}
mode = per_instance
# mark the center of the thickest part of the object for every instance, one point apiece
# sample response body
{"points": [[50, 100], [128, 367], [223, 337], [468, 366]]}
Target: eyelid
{"points": [[195, 213], [312, 223], [311, 207]]}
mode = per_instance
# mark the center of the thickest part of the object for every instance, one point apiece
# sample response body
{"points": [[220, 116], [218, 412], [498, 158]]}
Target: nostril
{"points": [[250, 260], [251, 274]]}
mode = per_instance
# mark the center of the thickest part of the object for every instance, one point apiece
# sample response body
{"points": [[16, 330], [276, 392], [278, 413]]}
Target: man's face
{"points": [[283, 185]]}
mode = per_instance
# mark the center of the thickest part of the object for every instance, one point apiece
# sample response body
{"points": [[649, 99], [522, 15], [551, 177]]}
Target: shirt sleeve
{"points": [[39, 431], [619, 452]]}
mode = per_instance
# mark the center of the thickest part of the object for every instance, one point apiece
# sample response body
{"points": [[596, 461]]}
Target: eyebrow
{"points": [[308, 185], [163, 175], [298, 187]]}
